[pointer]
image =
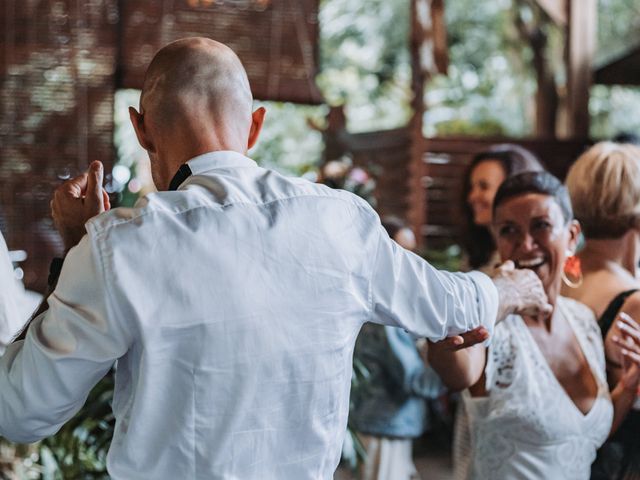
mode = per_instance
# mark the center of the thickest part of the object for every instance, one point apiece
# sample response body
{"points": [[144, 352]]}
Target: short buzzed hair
{"points": [[535, 182]]}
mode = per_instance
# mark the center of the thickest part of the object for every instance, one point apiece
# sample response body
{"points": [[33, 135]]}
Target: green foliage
{"points": [[479, 128], [618, 27], [365, 61], [290, 142], [615, 109], [79, 449], [449, 258], [490, 82]]}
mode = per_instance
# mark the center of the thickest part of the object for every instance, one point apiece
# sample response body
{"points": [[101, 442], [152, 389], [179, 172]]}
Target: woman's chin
{"points": [[482, 220]]}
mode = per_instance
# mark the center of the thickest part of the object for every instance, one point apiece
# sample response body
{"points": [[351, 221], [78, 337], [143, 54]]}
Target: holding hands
{"points": [[76, 201], [520, 292]]}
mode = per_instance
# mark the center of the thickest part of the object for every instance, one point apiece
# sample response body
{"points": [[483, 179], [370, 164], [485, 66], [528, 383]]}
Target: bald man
{"points": [[230, 299]]}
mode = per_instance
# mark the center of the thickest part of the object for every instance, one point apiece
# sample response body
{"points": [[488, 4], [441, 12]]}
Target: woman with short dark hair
{"points": [[538, 405]]}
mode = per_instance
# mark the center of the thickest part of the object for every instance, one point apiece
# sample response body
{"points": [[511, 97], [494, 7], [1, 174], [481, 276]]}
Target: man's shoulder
{"points": [[136, 215], [154, 205], [285, 188]]}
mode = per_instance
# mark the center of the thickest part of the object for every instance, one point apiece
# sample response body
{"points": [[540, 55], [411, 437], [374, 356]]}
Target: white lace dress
{"points": [[528, 427]]}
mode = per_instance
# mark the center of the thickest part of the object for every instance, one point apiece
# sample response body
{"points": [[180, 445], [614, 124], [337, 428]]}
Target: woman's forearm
{"points": [[623, 399], [459, 369]]}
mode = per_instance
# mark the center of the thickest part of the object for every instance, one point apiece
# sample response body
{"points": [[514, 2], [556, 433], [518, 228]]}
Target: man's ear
{"points": [[137, 120], [257, 119]]}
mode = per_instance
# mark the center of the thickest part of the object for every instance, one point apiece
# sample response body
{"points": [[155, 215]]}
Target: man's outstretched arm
{"points": [[409, 293]]}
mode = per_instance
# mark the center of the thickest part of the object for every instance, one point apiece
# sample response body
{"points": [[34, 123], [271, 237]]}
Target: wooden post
{"points": [[581, 45], [428, 51], [417, 201]]}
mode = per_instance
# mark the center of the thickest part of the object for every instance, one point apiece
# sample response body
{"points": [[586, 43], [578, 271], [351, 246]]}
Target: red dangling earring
{"points": [[572, 272]]}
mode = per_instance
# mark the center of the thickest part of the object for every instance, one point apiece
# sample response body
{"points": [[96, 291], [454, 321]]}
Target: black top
{"points": [[619, 457], [610, 314]]}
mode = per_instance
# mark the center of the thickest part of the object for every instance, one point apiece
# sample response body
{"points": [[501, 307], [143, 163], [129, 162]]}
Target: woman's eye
{"points": [[506, 230], [542, 226]]}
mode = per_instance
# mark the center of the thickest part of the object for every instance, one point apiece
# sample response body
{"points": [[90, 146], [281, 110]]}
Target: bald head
{"points": [[195, 98], [196, 77]]}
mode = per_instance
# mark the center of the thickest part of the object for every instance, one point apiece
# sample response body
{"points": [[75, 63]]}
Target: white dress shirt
{"points": [[232, 306]]}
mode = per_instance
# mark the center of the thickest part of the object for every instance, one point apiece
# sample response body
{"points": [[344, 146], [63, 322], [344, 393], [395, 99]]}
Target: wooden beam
{"points": [[581, 46], [556, 9], [422, 64]]}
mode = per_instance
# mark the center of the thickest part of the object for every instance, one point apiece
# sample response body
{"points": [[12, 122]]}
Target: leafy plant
{"points": [[79, 449]]}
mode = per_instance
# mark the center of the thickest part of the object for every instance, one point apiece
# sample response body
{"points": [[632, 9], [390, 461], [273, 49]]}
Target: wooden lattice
{"points": [[61, 62]]}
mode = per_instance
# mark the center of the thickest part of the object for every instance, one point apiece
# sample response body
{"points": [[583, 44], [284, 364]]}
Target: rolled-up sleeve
{"points": [[45, 379], [409, 293]]}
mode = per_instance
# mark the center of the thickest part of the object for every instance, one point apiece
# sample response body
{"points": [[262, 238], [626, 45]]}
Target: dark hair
{"points": [[393, 225], [514, 159], [535, 182]]}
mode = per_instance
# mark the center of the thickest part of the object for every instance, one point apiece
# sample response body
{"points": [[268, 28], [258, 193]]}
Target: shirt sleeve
{"points": [[45, 379], [10, 321], [409, 293]]}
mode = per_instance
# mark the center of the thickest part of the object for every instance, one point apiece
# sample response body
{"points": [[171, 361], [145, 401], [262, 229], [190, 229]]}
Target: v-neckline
{"points": [[550, 371]]}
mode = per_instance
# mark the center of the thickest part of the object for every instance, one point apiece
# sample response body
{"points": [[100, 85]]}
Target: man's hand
{"points": [[520, 292], [76, 201]]}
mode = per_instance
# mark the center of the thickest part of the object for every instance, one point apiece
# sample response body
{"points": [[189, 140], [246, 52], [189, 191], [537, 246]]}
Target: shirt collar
{"points": [[209, 161]]}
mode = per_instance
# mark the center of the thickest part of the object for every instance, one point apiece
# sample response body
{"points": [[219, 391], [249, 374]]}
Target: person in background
{"points": [[539, 405], [488, 169], [604, 184], [389, 408]]}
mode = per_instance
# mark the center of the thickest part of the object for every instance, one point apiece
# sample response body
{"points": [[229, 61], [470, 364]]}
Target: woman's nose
{"points": [[528, 242]]}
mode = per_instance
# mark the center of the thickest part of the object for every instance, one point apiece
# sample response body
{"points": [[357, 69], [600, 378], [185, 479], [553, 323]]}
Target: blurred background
{"points": [[404, 88], [393, 95]]}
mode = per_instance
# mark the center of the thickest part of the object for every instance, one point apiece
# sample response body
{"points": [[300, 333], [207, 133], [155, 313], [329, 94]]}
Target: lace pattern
{"points": [[527, 426]]}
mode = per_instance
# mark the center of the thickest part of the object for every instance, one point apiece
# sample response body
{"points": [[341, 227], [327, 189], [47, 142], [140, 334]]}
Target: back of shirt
{"points": [[247, 290], [232, 306]]}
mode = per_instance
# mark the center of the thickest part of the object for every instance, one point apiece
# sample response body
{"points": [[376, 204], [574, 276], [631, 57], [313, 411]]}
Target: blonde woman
{"points": [[604, 185]]}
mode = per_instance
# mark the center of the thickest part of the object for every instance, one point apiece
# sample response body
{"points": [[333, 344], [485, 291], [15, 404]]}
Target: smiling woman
{"points": [[506, 429], [534, 227]]}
